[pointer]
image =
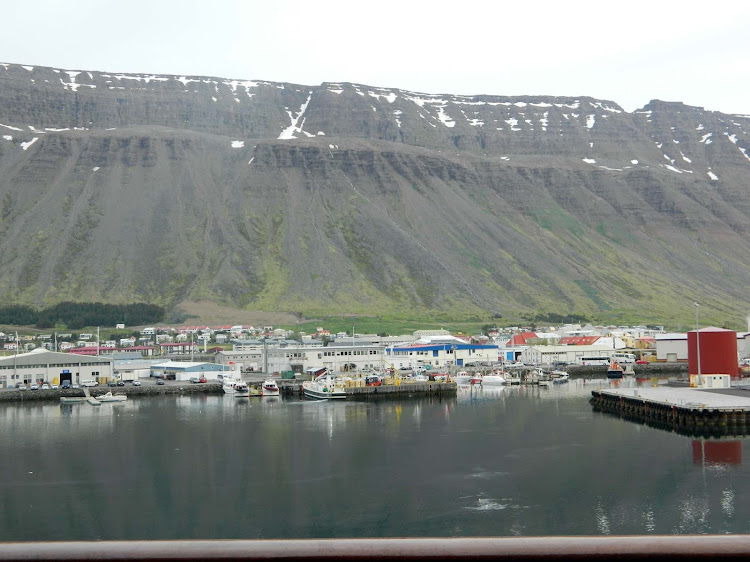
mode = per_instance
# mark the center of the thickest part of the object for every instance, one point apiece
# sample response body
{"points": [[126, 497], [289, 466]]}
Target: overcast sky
{"points": [[631, 53]]}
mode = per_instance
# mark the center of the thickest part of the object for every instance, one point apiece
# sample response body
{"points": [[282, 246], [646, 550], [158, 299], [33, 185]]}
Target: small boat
{"points": [[615, 371], [269, 388], [495, 379], [236, 387], [462, 378], [559, 377], [109, 397], [325, 387]]}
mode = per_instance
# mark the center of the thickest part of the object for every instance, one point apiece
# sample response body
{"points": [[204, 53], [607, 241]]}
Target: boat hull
{"points": [[322, 392]]}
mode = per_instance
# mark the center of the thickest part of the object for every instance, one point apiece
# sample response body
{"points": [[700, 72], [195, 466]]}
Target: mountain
{"points": [[345, 198]]}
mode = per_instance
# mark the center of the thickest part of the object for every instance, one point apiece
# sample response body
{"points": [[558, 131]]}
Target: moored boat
{"points": [[462, 378], [269, 388], [325, 387], [236, 387], [559, 377], [615, 371], [109, 397], [494, 379]]}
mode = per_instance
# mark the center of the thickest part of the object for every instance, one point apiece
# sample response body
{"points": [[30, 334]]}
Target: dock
{"points": [[90, 399], [689, 411], [410, 389]]}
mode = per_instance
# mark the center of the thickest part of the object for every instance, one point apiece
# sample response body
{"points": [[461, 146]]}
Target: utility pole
{"points": [[697, 341]]}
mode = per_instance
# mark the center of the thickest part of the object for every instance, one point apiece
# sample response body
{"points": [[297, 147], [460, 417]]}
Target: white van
{"points": [[89, 383], [623, 357]]}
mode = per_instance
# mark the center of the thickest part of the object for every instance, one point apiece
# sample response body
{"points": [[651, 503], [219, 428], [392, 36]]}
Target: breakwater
{"points": [[131, 391]]}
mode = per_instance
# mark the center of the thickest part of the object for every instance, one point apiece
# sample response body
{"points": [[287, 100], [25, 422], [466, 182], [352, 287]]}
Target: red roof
{"points": [[579, 340], [521, 339]]}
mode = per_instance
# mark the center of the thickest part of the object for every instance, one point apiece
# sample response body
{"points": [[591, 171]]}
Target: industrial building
{"points": [[185, 370], [42, 366]]}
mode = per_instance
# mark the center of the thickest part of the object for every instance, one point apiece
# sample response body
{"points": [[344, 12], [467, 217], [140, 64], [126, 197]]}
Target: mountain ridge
{"points": [[407, 203]]}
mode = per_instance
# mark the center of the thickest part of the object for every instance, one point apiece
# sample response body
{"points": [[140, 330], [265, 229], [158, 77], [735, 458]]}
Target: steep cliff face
{"points": [[348, 198]]}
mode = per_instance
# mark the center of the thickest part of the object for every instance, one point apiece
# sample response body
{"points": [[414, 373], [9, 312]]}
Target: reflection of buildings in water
{"points": [[51, 421]]}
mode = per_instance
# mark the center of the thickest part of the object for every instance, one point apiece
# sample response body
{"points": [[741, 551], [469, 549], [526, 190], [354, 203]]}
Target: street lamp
{"points": [[697, 340]]}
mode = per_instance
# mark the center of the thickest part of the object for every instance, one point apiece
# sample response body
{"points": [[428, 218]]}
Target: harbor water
{"points": [[521, 461]]}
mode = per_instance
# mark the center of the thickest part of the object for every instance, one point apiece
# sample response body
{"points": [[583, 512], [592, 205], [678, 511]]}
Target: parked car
{"points": [[66, 384], [194, 380], [111, 383], [159, 381], [55, 386], [202, 379], [120, 383], [34, 386], [136, 383], [45, 386], [642, 362], [21, 387], [75, 385]]}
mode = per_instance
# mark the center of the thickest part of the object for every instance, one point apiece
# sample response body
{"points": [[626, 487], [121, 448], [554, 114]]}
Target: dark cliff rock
{"points": [[349, 198]]}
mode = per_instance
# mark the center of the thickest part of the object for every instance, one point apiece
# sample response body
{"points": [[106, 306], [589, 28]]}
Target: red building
{"points": [[718, 352]]}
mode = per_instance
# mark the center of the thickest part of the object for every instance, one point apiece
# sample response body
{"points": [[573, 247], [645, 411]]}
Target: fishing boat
{"points": [[324, 387], [476, 378], [269, 388], [615, 371]]}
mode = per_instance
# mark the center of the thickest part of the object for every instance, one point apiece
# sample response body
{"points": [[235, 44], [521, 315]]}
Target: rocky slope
{"points": [[344, 198]]}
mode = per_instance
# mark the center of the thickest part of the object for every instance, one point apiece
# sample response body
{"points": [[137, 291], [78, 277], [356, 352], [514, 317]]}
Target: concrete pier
{"points": [[690, 411], [404, 390]]}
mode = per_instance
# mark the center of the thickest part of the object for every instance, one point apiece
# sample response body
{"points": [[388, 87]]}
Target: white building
{"points": [[51, 367], [185, 370], [251, 360], [441, 354], [671, 347], [579, 354]]}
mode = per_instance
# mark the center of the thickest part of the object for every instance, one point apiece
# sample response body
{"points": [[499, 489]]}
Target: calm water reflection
{"points": [[490, 462]]}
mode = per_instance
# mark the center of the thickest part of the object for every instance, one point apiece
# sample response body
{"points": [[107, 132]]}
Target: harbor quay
{"points": [[286, 388], [690, 411]]}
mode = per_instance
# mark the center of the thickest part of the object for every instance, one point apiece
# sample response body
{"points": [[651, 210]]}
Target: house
{"points": [[178, 348]]}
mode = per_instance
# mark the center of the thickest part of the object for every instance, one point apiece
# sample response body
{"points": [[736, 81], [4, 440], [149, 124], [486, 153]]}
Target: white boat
{"points": [[269, 388], [109, 397], [236, 387], [559, 377], [325, 387], [462, 378], [495, 379]]}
